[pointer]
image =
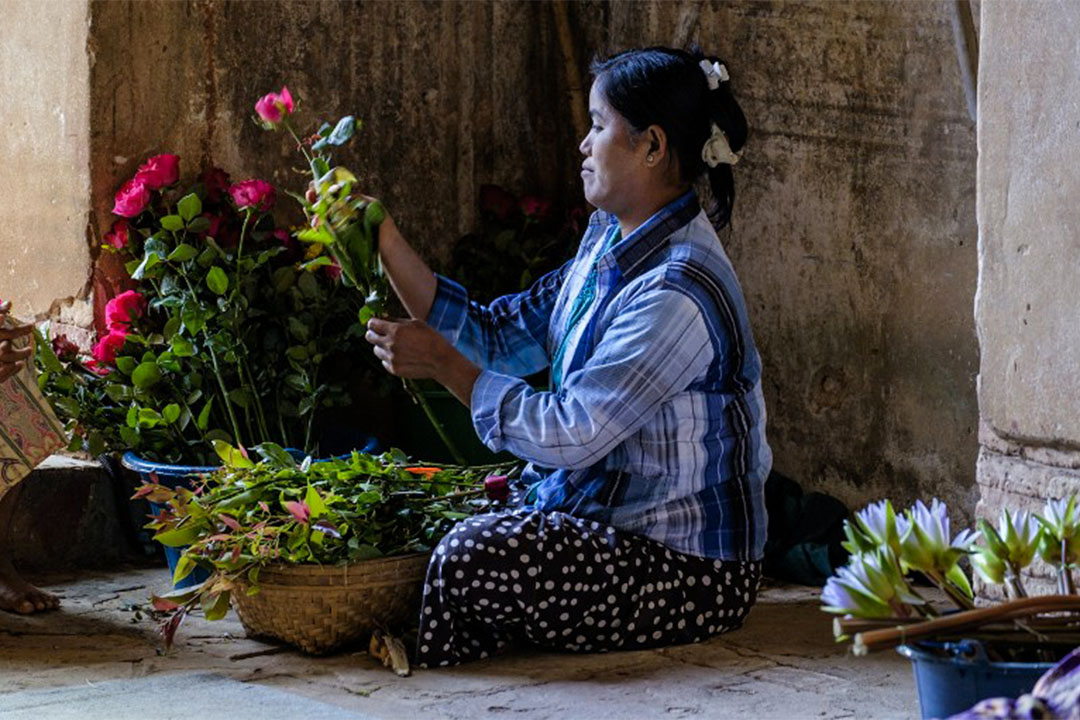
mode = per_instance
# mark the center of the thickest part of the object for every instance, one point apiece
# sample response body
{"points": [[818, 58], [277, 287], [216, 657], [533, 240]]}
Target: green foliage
{"points": [[247, 516], [243, 339]]}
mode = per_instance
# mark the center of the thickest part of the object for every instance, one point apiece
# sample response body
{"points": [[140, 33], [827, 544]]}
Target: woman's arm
{"points": [[411, 278]]}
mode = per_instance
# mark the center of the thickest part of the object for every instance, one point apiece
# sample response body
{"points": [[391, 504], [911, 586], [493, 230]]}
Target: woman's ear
{"points": [[656, 142]]}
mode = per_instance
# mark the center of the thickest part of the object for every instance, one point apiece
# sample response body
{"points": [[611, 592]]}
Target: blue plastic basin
{"points": [[951, 677]]}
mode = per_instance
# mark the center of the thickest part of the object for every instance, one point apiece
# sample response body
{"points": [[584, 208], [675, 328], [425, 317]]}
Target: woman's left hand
{"points": [[409, 348], [414, 349]]}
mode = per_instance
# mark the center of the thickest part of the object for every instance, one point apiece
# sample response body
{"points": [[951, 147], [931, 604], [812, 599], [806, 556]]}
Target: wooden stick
{"points": [[887, 638]]}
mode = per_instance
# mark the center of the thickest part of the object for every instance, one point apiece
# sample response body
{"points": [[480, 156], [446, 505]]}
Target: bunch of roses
{"points": [[120, 313]]}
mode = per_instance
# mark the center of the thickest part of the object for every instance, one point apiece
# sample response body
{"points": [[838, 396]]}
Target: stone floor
{"points": [[782, 664]]}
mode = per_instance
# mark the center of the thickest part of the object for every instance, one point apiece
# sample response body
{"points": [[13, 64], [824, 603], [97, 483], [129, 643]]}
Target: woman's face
{"points": [[613, 171]]}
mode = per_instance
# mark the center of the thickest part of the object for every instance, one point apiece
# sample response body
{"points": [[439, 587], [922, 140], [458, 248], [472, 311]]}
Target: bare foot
{"points": [[19, 596]]}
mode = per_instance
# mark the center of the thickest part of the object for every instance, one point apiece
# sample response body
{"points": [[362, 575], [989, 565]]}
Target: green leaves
{"points": [[189, 206], [217, 280], [232, 457], [146, 375], [183, 252]]}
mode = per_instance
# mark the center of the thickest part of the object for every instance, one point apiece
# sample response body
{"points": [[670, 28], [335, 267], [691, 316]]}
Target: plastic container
{"points": [[176, 475], [951, 677], [170, 476]]}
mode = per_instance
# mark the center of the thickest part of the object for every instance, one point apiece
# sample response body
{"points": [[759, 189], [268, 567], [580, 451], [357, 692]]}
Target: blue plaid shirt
{"points": [[658, 426]]}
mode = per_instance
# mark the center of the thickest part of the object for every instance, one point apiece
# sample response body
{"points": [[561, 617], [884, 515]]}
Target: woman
{"points": [[16, 595], [645, 521]]}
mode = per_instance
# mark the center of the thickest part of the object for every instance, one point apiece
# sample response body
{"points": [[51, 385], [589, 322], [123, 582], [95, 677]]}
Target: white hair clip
{"points": [[717, 150], [715, 73]]}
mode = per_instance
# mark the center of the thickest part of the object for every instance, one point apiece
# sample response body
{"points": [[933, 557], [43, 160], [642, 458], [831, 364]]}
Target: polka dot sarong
{"points": [[568, 584]]}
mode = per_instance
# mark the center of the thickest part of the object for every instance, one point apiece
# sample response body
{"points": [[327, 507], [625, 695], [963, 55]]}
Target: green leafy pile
{"points": [[249, 515]]}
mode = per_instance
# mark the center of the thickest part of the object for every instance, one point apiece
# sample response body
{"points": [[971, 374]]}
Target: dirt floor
{"points": [[782, 664]]}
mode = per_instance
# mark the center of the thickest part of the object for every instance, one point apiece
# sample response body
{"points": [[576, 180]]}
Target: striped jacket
{"points": [[658, 426]]}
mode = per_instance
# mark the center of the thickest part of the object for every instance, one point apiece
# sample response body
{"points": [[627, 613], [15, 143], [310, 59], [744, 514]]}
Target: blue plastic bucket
{"points": [[951, 677], [173, 476]]}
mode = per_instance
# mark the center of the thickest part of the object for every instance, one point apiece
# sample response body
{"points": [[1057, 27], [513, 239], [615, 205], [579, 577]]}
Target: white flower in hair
{"points": [[715, 73], [717, 150]]}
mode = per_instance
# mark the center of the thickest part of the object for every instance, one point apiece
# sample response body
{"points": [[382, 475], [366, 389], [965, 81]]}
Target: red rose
{"points": [[64, 348], [497, 488], [535, 207], [131, 199], [216, 182], [124, 309], [118, 236], [257, 194], [159, 171], [498, 202], [274, 107], [108, 346]]}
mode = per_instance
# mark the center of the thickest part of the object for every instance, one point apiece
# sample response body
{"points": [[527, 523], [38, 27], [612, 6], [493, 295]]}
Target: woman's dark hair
{"points": [[667, 87]]}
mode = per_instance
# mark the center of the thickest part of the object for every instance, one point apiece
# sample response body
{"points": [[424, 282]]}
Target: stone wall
{"points": [[1029, 255], [854, 226], [44, 164], [854, 232]]}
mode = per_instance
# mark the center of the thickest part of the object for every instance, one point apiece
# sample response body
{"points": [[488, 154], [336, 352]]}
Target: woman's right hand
{"points": [[12, 360]]}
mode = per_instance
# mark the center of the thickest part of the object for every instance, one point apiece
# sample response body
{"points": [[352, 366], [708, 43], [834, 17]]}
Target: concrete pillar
{"points": [[1028, 300], [44, 154]]}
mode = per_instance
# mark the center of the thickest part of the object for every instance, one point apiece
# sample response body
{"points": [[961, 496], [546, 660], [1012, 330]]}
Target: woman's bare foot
{"points": [[19, 596]]}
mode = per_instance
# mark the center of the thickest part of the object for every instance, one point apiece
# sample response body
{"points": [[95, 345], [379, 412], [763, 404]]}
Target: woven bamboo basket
{"points": [[320, 608]]}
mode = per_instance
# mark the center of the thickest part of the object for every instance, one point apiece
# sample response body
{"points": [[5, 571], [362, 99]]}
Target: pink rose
{"points": [[105, 350], [118, 236], [124, 309], [257, 194], [274, 107], [131, 199], [64, 348], [216, 182], [159, 171], [535, 207]]}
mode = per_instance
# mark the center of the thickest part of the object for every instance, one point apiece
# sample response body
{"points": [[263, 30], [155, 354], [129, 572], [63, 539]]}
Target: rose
{"points": [[257, 194], [105, 350], [496, 488], [536, 208], [216, 182], [159, 171], [118, 236], [124, 309], [131, 199], [64, 348], [273, 108]]}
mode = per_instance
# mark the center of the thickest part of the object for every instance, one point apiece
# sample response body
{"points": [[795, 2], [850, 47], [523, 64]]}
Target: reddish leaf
{"points": [[164, 604], [299, 510], [230, 522]]}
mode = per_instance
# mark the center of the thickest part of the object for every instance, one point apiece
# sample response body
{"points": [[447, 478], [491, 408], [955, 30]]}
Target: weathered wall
{"points": [[854, 232], [1029, 254], [452, 95], [44, 164]]}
